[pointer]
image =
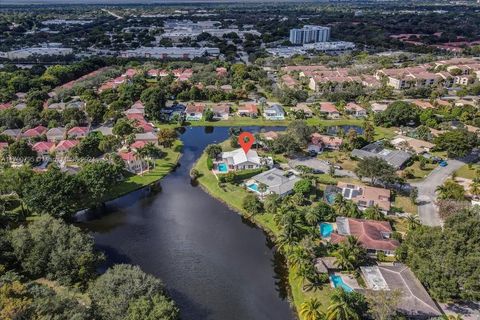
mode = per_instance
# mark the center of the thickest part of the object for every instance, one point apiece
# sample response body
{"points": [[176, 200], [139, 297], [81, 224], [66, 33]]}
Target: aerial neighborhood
{"points": [[122, 148]]}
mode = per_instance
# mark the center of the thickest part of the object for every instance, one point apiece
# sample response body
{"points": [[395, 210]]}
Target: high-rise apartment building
{"points": [[310, 34]]}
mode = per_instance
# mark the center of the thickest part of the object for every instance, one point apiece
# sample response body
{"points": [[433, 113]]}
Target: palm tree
{"points": [[339, 204], [310, 310], [343, 258], [340, 307], [312, 216], [374, 213], [298, 256], [413, 221]]}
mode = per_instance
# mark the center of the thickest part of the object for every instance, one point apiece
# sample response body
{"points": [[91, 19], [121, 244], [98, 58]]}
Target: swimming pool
{"points": [[331, 198], [222, 167], [338, 283], [326, 229], [253, 187]]}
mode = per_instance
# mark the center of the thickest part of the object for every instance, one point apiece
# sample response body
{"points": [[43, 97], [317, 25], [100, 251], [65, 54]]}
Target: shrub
{"points": [[209, 164], [252, 204]]}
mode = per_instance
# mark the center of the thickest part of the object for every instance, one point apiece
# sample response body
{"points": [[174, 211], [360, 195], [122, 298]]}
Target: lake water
{"points": [[215, 265]]}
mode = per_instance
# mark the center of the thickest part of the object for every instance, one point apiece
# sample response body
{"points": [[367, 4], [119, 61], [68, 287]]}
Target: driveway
{"points": [[318, 164], [427, 210]]}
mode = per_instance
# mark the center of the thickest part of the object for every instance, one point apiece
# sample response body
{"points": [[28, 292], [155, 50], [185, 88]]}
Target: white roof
{"points": [[238, 156]]}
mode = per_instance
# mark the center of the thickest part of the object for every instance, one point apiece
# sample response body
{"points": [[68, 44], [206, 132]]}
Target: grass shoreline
{"points": [[232, 198]]}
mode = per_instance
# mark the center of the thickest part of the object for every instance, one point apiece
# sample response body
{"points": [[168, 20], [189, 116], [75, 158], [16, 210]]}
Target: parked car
{"points": [[443, 163]]}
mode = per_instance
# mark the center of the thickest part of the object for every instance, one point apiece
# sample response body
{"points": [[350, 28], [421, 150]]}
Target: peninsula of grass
{"points": [[162, 167], [233, 196]]}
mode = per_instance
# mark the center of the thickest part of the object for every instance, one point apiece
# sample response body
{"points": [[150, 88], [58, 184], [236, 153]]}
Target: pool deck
{"points": [[348, 279]]}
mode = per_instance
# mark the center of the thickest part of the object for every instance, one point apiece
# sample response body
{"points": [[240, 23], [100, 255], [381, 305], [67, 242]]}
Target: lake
{"points": [[215, 265]]}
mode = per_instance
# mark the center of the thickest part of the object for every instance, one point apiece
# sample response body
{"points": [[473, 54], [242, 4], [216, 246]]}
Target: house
{"points": [[147, 137], [411, 144], [414, 302], [104, 130], [330, 110], [289, 82], [239, 160], [144, 126], [13, 133], [6, 105], [221, 111], [410, 77], [373, 235], [176, 110], [248, 110], [221, 72], [65, 146], [276, 181], [34, 132], [133, 163], [395, 158], [3, 146], [56, 134], [137, 145], [270, 135], [355, 110], [319, 142], [302, 108], [43, 148], [56, 106], [274, 112], [138, 105], [77, 132], [76, 104], [226, 88], [379, 106], [134, 112], [423, 104], [365, 196], [194, 111]]}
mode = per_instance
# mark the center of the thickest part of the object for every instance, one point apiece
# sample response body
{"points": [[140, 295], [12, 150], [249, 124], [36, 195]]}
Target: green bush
{"points": [[209, 164]]}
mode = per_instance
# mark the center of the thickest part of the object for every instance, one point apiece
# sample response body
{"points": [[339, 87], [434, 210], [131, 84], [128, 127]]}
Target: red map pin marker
{"points": [[246, 140]]}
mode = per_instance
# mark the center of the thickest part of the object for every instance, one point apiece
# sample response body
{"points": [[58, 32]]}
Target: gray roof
{"points": [[277, 180], [106, 131], [395, 158], [275, 107], [415, 300], [12, 132]]}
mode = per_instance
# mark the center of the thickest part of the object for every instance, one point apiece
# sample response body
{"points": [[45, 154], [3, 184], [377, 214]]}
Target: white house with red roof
{"points": [[34, 132], [248, 110], [355, 110], [194, 111], [319, 142], [65, 146], [78, 132], [43, 148], [330, 110], [375, 236], [133, 163]]}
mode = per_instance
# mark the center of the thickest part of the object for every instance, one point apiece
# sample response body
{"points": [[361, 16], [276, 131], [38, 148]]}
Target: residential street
{"points": [[427, 210]]}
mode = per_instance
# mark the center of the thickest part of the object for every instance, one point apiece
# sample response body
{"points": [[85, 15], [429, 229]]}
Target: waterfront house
{"points": [[329, 110], [302, 108], [132, 163], [319, 142], [194, 111], [275, 181], [375, 236], [147, 137], [239, 160], [414, 302], [176, 110], [221, 111], [274, 112], [355, 110], [248, 110], [56, 134]]}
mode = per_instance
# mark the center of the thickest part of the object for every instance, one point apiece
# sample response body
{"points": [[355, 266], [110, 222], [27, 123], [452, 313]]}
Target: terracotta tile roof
{"points": [[195, 108], [352, 106], [371, 234], [221, 108], [138, 144], [367, 196], [423, 104], [43, 146], [78, 130], [328, 107], [3, 145], [127, 156], [6, 105], [321, 139], [66, 145], [135, 116], [35, 132]]}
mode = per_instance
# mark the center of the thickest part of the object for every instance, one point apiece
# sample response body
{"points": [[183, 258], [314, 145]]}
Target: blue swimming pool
{"points": [[331, 198], [338, 283], [326, 229], [253, 187], [222, 167]]}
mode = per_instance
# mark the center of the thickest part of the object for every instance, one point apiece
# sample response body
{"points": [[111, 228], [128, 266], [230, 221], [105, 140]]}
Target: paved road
{"points": [[427, 210]]}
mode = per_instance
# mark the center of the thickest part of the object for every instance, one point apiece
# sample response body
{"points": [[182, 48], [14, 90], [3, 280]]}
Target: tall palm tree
{"points": [[340, 307], [343, 258], [374, 213], [298, 256], [310, 310], [339, 204], [413, 221]]}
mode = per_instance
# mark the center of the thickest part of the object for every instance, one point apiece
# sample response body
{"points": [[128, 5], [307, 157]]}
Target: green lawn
{"points": [[468, 172], [233, 196], [405, 203], [418, 173], [162, 167]]}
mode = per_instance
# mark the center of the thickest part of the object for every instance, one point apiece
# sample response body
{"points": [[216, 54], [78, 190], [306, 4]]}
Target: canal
{"points": [[215, 265]]}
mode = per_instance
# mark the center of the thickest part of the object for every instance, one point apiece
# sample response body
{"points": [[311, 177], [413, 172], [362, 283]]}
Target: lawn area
{"points": [[162, 167], [417, 172], [468, 172], [405, 203], [339, 157], [233, 196]]}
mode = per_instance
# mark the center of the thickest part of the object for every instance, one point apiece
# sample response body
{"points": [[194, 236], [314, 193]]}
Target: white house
{"points": [[276, 181], [238, 160]]}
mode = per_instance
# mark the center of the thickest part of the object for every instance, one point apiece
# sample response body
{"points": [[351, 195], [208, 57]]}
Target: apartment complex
{"points": [[310, 34]]}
